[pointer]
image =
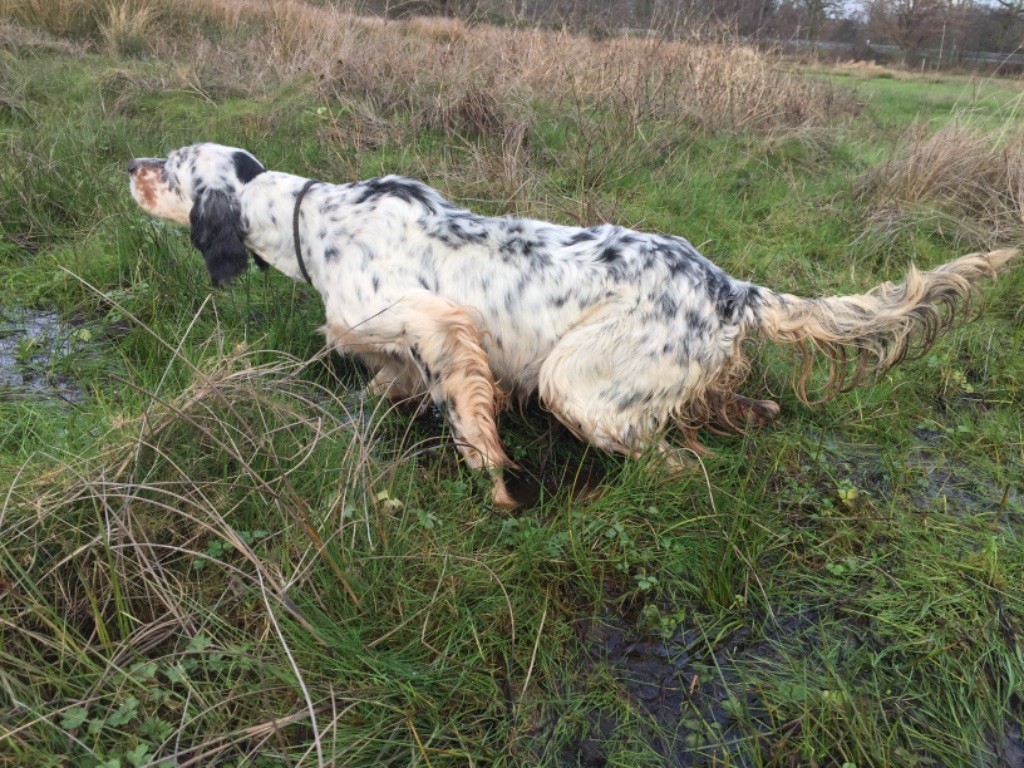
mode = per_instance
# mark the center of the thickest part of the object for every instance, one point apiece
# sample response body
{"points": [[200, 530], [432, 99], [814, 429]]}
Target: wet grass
{"points": [[223, 554]]}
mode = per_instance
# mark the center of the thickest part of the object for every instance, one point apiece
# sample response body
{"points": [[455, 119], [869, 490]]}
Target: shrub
{"points": [[970, 181]]}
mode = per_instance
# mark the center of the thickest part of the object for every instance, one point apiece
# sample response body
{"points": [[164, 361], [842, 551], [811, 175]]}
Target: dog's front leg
{"points": [[443, 342]]}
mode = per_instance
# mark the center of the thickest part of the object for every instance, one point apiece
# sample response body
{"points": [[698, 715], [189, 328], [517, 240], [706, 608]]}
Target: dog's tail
{"points": [[864, 335]]}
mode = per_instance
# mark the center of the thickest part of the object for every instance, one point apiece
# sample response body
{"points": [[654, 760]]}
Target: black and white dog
{"points": [[620, 333]]}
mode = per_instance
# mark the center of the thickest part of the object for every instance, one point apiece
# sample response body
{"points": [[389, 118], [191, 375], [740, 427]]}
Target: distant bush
{"points": [[971, 179]]}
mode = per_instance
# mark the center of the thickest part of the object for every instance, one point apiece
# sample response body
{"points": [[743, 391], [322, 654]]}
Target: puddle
{"points": [[952, 487], [32, 344], [946, 487], [934, 480], [1005, 749]]}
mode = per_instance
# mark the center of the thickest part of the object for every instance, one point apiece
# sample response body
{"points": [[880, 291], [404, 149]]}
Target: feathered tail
{"points": [[864, 335]]}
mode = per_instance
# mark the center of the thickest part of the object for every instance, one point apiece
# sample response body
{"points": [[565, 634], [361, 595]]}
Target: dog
{"points": [[620, 334]]}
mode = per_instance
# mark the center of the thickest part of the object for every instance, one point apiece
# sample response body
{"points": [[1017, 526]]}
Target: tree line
{"points": [[956, 29]]}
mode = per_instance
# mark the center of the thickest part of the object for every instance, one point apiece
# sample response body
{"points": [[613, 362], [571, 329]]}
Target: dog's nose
{"points": [[133, 165]]}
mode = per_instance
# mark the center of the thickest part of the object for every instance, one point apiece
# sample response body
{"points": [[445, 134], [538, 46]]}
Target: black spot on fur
{"points": [[667, 306], [468, 228], [171, 179], [632, 400], [457, 229], [407, 190], [725, 299], [510, 248], [583, 236], [696, 324], [330, 253], [525, 248], [514, 295], [681, 258], [732, 297], [368, 255], [247, 167]]}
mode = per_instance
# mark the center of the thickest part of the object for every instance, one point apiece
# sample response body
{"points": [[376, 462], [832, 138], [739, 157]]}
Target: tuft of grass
{"points": [[971, 180], [127, 27]]}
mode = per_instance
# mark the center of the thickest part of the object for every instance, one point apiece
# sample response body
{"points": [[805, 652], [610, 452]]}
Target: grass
{"points": [[223, 554], [897, 97]]}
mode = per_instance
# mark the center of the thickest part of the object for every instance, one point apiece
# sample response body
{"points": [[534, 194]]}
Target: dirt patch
{"points": [[694, 700], [696, 709]]}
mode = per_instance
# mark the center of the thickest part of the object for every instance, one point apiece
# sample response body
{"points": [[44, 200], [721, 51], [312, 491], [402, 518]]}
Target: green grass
{"points": [[225, 555], [897, 98]]}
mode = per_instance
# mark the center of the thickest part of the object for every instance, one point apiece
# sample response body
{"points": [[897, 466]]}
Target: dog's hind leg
{"points": [[755, 413], [731, 412], [618, 380], [442, 341], [610, 383]]}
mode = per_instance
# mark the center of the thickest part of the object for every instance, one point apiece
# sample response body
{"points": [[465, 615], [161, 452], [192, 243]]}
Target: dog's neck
{"points": [[268, 208]]}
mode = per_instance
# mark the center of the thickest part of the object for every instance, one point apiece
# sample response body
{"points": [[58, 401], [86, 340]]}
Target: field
{"points": [[215, 550]]}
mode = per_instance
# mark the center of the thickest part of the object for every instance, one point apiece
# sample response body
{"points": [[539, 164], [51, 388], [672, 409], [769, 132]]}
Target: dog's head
{"points": [[200, 186]]}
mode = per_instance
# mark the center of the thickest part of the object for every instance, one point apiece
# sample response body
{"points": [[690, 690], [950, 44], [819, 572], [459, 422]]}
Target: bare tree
{"points": [[907, 23], [1015, 7], [815, 13]]}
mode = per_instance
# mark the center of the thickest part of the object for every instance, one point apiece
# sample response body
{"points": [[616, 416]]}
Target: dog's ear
{"points": [[247, 167], [215, 221]]}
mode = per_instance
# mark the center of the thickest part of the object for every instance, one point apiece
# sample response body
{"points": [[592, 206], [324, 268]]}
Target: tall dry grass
{"points": [[970, 179], [251, 472], [127, 26], [61, 17], [469, 78], [478, 75]]}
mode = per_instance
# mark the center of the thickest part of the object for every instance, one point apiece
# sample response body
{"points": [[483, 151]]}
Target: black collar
{"points": [[295, 228]]}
